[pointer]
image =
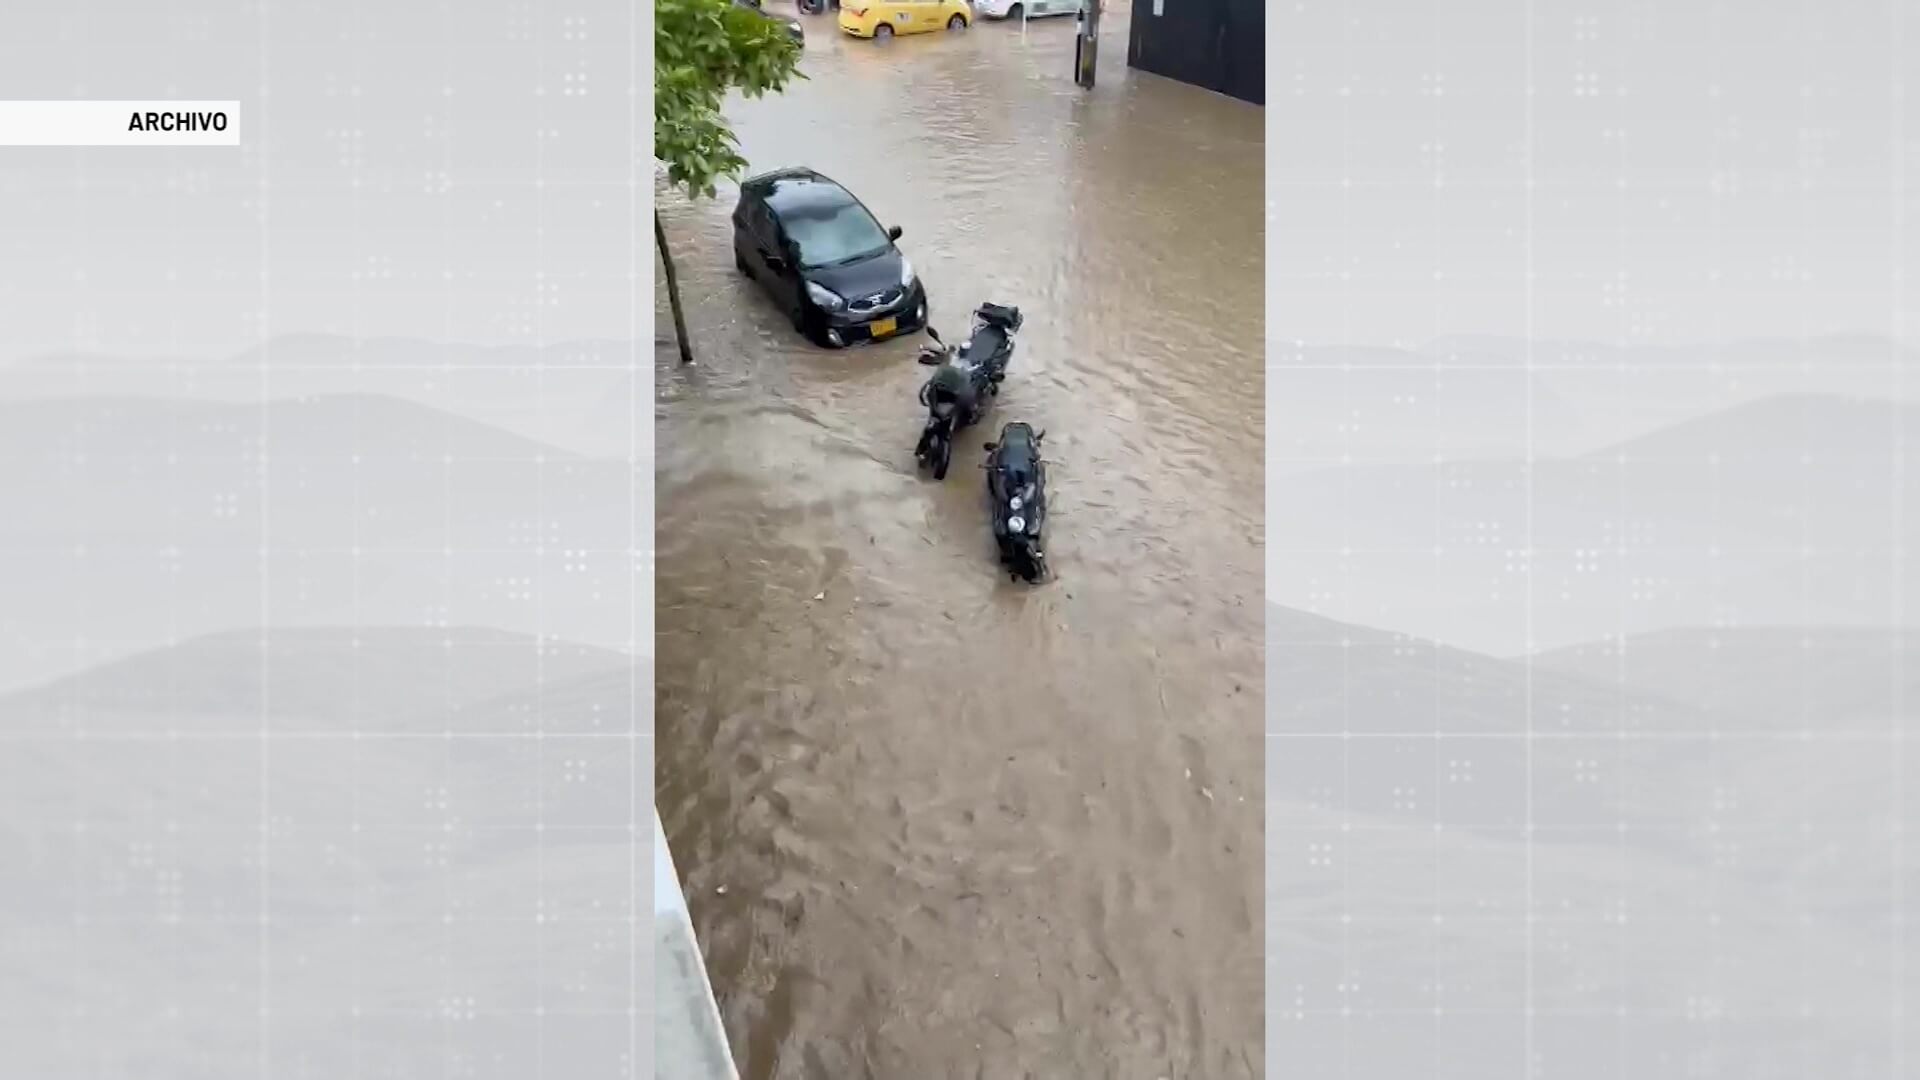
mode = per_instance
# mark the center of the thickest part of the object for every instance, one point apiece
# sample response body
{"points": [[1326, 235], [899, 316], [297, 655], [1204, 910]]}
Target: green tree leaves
{"points": [[702, 49]]}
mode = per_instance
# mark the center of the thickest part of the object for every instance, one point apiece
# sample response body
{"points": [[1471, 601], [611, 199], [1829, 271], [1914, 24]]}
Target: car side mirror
{"points": [[895, 233]]}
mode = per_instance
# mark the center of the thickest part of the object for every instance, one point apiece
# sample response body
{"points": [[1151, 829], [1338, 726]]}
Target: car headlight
{"points": [[906, 273], [1014, 503], [825, 297], [1016, 523]]}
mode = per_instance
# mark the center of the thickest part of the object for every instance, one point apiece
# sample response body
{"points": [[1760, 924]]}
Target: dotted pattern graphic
{"points": [[325, 693], [1590, 679]]}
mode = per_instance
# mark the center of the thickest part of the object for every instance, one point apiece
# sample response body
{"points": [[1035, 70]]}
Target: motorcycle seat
{"points": [[999, 316], [1017, 456], [990, 342]]}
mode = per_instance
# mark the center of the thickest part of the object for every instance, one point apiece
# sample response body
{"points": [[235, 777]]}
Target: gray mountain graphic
{"points": [[1424, 802], [1780, 511], [142, 805], [147, 518]]}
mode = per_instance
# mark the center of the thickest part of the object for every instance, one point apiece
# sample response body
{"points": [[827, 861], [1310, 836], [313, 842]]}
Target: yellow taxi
{"points": [[884, 18]]}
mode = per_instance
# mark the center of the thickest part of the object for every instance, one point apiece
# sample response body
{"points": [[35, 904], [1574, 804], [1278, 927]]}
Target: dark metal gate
{"points": [[1217, 44]]}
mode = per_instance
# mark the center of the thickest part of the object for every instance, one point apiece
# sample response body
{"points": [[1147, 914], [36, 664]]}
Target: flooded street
{"points": [[933, 822]]}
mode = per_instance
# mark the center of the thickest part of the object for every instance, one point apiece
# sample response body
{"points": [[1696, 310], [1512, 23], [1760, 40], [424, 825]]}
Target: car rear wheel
{"points": [[958, 22], [883, 32], [1016, 11]]}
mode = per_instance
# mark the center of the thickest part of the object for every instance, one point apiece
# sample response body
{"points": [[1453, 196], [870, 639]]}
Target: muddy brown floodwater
{"points": [[932, 822]]}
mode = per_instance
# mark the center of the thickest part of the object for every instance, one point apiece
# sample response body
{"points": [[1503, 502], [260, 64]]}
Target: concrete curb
{"points": [[689, 1041]]}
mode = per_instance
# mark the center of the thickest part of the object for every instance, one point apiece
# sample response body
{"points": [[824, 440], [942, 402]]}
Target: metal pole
{"points": [[1086, 48]]}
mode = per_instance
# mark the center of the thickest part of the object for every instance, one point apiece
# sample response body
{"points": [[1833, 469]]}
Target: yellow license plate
{"points": [[883, 327]]}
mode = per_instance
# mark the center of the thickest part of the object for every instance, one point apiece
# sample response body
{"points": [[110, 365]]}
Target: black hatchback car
{"points": [[825, 259]]}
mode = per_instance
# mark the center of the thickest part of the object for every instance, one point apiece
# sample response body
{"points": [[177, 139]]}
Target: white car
{"points": [[1024, 9]]}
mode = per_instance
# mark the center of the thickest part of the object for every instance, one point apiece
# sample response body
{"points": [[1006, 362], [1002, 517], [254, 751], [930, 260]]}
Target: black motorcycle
{"points": [[1017, 484], [967, 381]]}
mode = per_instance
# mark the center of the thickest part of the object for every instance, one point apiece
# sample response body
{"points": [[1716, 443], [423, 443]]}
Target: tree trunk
{"points": [[673, 290]]}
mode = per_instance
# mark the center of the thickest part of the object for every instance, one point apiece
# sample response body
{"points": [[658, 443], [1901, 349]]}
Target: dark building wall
{"points": [[1218, 44]]}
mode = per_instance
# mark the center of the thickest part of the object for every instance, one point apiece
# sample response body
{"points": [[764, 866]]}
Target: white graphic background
{"points": [[326, 588], [1591, 378]]}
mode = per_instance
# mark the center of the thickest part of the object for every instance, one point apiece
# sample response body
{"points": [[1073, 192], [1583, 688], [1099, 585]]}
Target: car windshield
{"points": [[829, 235]]}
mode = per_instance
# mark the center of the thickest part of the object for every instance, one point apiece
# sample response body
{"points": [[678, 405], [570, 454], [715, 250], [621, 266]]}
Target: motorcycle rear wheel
{"points": [[942, 453], [1033, 567]]}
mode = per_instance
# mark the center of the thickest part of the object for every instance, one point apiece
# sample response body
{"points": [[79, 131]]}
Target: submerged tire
{"points": [[958, 22], [883, 32], [1033, 567], [1016, 12]]}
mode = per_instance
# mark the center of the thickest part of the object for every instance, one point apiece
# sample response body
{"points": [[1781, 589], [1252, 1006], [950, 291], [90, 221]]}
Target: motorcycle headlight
{"points": [[1014, 503], [906, 273], [825, 297], [1016, 523]]}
